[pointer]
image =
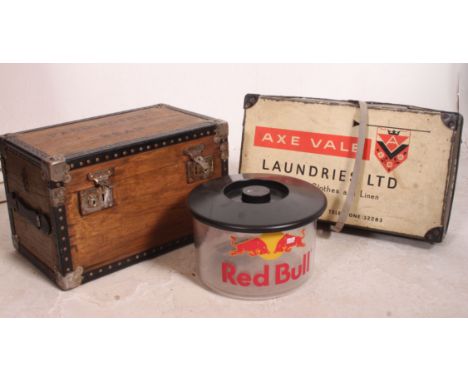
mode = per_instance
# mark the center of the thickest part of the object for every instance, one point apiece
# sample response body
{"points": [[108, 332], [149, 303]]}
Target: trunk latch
{"points": [[100, 196], [199, 167]]}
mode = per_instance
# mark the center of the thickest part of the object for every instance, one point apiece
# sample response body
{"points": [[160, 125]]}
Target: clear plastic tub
{"points": [[255, 233], [254, 266]]}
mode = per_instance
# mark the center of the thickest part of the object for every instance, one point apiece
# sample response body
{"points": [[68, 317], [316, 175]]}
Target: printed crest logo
{"points": [[269, 246], [391, 147]]}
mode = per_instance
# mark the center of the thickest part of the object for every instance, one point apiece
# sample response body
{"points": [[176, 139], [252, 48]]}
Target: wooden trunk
{"points": [[90, 197]]}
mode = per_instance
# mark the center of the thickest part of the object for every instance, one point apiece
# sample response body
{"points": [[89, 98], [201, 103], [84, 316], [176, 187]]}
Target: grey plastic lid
{"points": [[257, 203]]}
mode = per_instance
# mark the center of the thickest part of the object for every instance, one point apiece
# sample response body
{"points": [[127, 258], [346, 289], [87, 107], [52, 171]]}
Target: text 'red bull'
{"points": [[279, 274]]}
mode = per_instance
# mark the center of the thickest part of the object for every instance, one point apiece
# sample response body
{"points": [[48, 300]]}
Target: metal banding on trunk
{"points": [[63, 183], [138, 147]]}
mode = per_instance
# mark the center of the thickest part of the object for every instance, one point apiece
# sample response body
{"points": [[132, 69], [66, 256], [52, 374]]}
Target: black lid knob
{"points": [[256, 194]]}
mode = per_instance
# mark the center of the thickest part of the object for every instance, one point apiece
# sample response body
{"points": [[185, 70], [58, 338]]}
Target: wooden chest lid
{"points": [[94, 134]]}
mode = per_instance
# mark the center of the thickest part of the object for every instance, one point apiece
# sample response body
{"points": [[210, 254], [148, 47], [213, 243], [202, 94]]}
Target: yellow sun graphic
{"points": [[271, 240]]}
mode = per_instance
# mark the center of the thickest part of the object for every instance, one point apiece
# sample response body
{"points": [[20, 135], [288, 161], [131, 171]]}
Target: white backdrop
{"points": [[33, 95]]}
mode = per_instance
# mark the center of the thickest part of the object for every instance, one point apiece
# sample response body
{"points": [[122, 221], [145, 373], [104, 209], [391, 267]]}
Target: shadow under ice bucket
{"points": [[255, 233]]}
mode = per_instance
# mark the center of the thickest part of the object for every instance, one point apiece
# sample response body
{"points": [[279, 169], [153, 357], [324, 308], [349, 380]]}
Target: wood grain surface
{"points": [[24, 179], [150, 191], [150, 188], [92, 134]]}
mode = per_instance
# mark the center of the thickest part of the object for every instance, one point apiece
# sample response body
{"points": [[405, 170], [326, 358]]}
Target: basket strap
{"points": [[357, 169]]}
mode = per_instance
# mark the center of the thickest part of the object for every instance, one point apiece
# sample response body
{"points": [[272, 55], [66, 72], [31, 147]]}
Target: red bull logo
{"points": [[269, 246], [279, 274]]}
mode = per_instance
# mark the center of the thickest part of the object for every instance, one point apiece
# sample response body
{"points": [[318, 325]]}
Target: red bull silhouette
{"points": [[288, 242], [253, 247], [267, 245]]}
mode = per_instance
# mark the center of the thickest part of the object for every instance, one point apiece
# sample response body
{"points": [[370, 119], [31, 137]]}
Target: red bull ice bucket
{"points": [[255, 233]]}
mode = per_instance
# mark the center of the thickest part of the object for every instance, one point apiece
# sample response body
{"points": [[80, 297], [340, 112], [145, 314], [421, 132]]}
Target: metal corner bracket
{"points": [[450, 120], [250, 100], [70, 280], [435, 235], [221, 138], [56, 169]]}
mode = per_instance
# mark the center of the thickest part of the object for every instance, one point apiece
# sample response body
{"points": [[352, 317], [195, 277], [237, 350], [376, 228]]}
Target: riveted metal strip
{"points": [[136, 258], [221, 138], [120, 151], [60, 229]]}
